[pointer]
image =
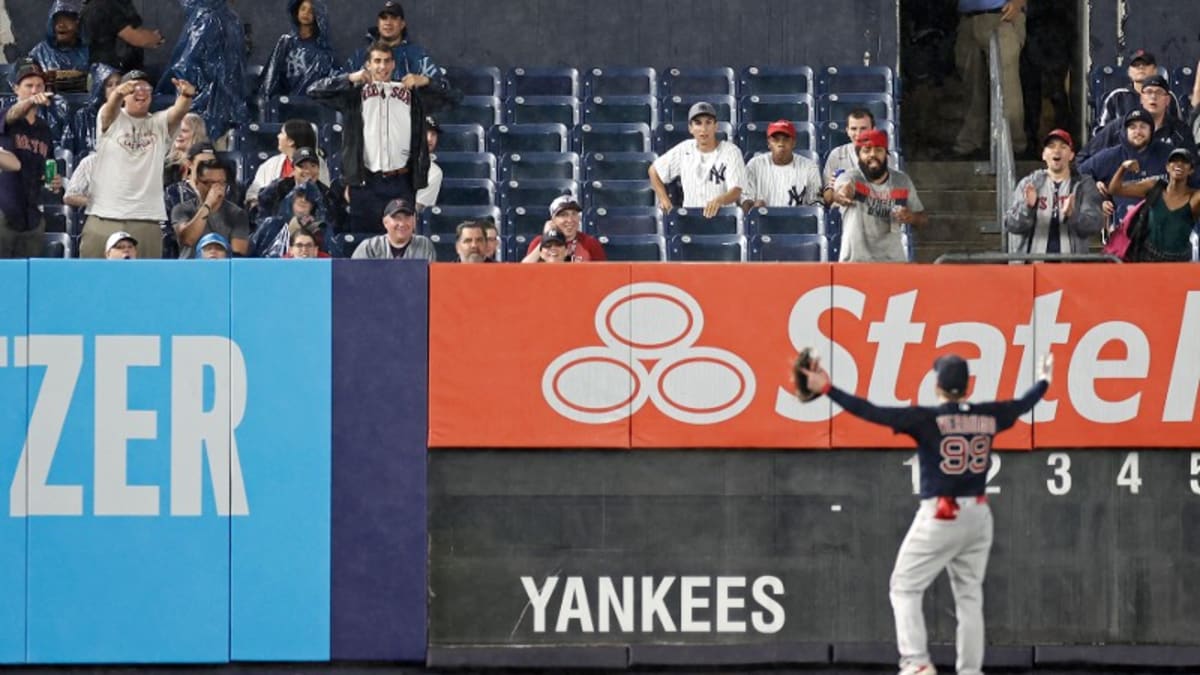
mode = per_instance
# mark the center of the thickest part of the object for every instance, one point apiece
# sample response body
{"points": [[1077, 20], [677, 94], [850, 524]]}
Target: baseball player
{"points": [[712, 171], [781, 177], [952, 529]]}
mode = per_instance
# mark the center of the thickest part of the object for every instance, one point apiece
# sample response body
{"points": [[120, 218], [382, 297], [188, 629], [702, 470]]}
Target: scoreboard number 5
{"points": [[1195, 483]]}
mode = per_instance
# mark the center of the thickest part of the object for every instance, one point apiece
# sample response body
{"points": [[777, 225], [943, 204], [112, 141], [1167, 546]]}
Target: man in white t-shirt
{"points": [[780, 177], [127, 185], [711, 170], [877, 203]]}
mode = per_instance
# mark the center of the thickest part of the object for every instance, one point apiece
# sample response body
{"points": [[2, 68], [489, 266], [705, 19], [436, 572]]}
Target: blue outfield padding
{"points": [[13, 415]]}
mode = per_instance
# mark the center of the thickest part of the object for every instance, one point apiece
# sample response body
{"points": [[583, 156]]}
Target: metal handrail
{"points": [[992, 257], [1002, 161]]}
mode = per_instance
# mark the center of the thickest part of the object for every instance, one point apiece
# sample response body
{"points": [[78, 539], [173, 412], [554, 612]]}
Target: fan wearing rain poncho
{"points": [[301, 56], [211, 54], [64, 52], [303, 207], [80, 136]]}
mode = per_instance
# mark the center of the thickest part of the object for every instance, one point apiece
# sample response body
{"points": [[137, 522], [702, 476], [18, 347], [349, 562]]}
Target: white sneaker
{"points": [[926, 669]]}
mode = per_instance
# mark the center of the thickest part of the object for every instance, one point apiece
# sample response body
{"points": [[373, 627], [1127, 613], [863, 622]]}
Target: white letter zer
{"points": [[116, 424]]}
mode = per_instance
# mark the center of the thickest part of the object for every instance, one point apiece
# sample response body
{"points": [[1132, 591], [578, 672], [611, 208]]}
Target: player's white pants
{"points": [[961, 547]]}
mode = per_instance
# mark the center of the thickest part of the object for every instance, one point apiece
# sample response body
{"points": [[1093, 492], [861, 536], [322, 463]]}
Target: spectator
{"points": [[213, 246], [551, 249], [387, 157], [9, 161], [781, 177], [428, 195], [27, 136], [80, 136], [306, 168], [212, 213], [978, 19], [57, 112], [303, 244], [492, 234], [1055, 209], [1139, 144], [400, 221], [211, 53], [1168, 129], [127, 188], [184, 190], [192, 130], [470, 242], [877, 201], [566, 217], [79, 188], [295, 134], [845, 157], [1171, 209], [411, 65], [115, 34], [302, 208], [63, 55], [1121, 101], [711, 170], [301, 56], [121, 246]]}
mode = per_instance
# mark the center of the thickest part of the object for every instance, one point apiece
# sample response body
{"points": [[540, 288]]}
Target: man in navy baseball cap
{"points": [[952, 374]]}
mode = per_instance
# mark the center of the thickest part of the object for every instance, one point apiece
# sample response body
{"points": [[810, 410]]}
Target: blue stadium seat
{"points": [[832, 133], [614, 193], [535, 193], [675, 108], [538, 165], [461, 138], [467, 192], [617, 165], [475, 80], [835, 107], [771, 107], [1182, 80], [346, 242], [752, 137], [765, 80], [507, 139], [620, 81], [57, 245], [57, 217], [635, 247], [552, 81], [623, 220], [6, 71], [692, 221], [329, 138], [443, 247], [619, 109], [1101, 80], [252, 77], [779, 220], [258, 137], [668, 135], [562, 110], [485, 111], [707, 248], [66, 162], [444, 219], [525, 221], [909, 241], [698, 82], [789, 248], [466, 164], [282, 108], [589, 138], [857, 80]]}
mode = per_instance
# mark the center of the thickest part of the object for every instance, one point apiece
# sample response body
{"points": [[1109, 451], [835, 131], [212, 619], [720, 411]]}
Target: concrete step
{"points": [[955, 226], [955, 175], [979, 201]]}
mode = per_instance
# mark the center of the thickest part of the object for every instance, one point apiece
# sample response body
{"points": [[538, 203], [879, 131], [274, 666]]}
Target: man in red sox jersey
{"points": [[877, 201]]}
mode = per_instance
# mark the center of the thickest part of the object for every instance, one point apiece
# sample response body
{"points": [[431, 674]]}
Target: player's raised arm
{"points": [[818, 383]]}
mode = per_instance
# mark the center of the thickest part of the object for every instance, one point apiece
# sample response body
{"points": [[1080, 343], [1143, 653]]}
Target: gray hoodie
{"points": [[1029, 226], [377, 248]]}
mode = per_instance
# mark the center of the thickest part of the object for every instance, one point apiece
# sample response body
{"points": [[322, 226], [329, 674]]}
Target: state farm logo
{"points": [[649, 331]]}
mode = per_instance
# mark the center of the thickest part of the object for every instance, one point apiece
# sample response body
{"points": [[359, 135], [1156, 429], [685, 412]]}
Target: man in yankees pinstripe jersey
{"points": [[712, 171], [781, 177]]}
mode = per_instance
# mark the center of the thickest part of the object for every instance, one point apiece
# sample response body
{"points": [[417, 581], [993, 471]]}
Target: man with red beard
{"points": [[877, 202]]}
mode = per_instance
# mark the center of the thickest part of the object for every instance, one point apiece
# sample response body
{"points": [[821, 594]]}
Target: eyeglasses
{"points": [[303, 246], [142, 88], [1154, 92]]}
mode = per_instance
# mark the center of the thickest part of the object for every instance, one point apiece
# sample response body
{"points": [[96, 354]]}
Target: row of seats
{"points": [[1103, 79], [637, 220]]}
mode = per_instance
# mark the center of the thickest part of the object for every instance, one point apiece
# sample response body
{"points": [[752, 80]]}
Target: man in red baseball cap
{"points": [[878, 204], [781, 177], [1054, 210]]}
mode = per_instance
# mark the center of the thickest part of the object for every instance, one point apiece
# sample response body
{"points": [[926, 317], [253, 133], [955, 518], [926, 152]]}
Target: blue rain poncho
{"points": [[211, 54], [296, 63], [49, 54], [80, 136]]}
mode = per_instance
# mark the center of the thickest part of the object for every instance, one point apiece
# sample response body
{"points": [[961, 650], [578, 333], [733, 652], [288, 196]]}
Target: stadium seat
{"points": [[707, 248], [634, 247], [251, 162], [675, 108], [445, 219], [252, 77], [615, 193], [443, 247], [467, 192], [770, 107], [507, 139], [621, 109], [346, 242], [466, 164], [752, 137], [329, 137], [692, 221], [57, 217], [780, 220], [620, 81], [1183, 79], [57, 245], [562, 110], [236, 161], [767, 80], [623, 220], [535, 193], [258, 137], [617, 165], [832, 133], [539, 165], [486, 111], [6, 70], [1195, 239], [698, 82], [857, 80], [525, 221], [668, 135], [1103, 79], [589, 138], [835, 107], [909, 241], [282, 108], [475, 80], [66, 162], [553, 81], [460, 138], [789, 248]]}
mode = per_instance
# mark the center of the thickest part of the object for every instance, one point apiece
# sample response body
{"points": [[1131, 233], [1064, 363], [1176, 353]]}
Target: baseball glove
{"points": [[804, 361]]}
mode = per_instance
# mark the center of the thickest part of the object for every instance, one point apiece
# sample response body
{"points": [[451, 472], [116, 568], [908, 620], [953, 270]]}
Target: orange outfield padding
{"points": [[699, 355]]}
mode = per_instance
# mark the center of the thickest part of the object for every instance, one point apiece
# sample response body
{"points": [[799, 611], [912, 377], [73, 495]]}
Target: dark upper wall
{"points": [[1170, 29]]}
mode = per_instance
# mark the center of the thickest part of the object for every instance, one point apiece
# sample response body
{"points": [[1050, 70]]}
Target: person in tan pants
{"points": [[978, 20]]}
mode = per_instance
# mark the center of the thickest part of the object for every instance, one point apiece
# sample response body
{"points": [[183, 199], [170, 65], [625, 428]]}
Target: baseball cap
{"points": [[200, 148], [212, 238], [399, 206], [136, 75], [872, 138], [553, 235], [562, 203], [432, 123], [781, 127], [1141, 55], [1156, 81], [393, 8], [27, 68], [1061, 135], [305, 155], [952, 374], [1181, 153], [1139, 115], [116, 238], [702, 108]]}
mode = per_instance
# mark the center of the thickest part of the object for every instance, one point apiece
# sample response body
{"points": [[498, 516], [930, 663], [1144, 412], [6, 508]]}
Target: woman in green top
{"points": [[1171, 216]]}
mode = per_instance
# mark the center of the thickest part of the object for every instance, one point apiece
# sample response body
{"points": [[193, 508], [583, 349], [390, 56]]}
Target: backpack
{"points": [[1126, 242]]}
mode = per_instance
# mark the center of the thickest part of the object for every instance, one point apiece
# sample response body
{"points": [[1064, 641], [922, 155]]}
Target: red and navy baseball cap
{"points": [[26, 68], [1141, 55], [1059, 135], [1138, 115], [1156, 81], [399, 206], [952, 374], [872, 138], [392, 8], [553, 236]]}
